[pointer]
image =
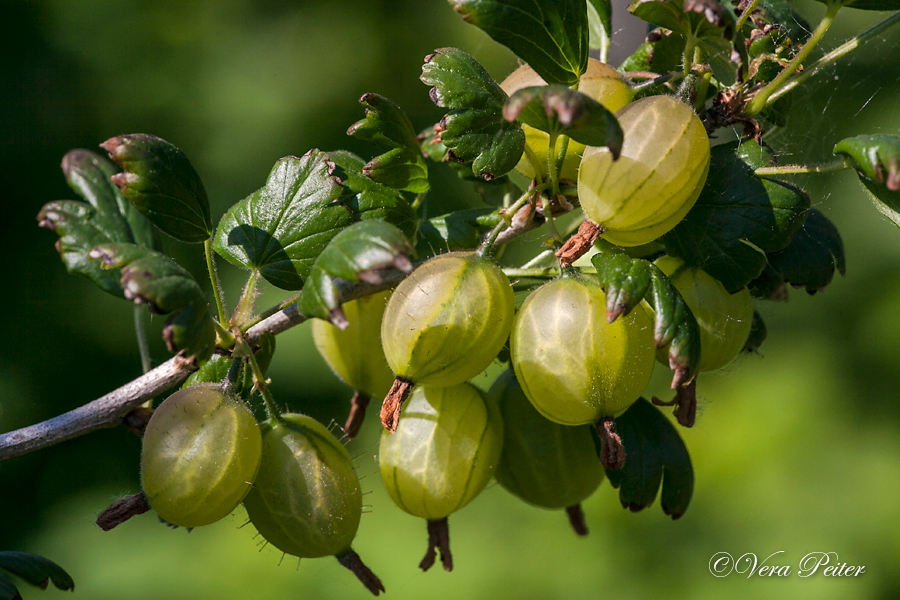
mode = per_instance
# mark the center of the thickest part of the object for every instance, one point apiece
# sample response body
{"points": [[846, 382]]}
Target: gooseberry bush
{"points": [[661, 214]]}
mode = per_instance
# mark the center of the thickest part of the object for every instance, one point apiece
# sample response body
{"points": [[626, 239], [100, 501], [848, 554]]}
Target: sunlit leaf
{"points": [[550, 35], [280, 229], [161, 183], [474, 130]]}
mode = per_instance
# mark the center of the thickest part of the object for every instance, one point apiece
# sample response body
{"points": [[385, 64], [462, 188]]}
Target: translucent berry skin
{"points": [[600, 82], [445, 450], [657, 178], [200, 454], [446, 322], [724, 318], [355, 354], [543, 463], [306, 499], [572, 364]]}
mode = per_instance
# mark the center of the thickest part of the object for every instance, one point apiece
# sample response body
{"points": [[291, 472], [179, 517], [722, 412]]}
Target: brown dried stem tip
{"points": [[576, 519], [685, 403], [393, 402], [438, 539], [579, 244], [136, 421], [122, 510], [612, 452], [358, 404], [352, 561]]}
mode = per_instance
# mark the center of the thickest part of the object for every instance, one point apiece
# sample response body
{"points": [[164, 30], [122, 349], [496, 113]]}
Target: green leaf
{"points": [[628, 281], [707, 22], [474, 130], [106, 217], [880, 5], [758, 334], [280, 229], [813, 255], [550, 35], [8, 591], [654, 454], [460, 230], [660, 54], [559, 110], [603, 11], [877, 159], [355, 254], [215, 370], [368, 199], [36, 570], [738, 217], [162, 184], [402, 167], [149, 277]]}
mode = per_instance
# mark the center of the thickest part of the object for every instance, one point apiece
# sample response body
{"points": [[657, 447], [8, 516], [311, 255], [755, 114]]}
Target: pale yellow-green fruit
{"points": [[572, 364], [446, 322], [600, 82], [354, 353], [656, 180], [724, 318], [446, 448]]}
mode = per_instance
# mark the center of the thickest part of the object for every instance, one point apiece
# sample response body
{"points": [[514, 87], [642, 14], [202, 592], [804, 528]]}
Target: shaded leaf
{"points": [[367, 199], [738, 217], [474, 130], [655, 454], [152, 278], [550, 35], [627, 281], [36, 570], [161, 183], [813, 255], [758, 334], [882, 5], [280, 229], [355, 254], [8, 591], [402, 167], [460, 230], [106, 217], [877, 159], [559, 110]]}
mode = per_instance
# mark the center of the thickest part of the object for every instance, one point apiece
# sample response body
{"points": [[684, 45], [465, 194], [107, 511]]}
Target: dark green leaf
{"points": [[707, 22], [660, 54], [880, 5], [654, 453], [402, 167], [355, 254], [368, 199], [213, 371], [460, 230], [8, 591], [758, 334], [36, 570], [603, 10], [627, 281], [152, 278], [559, 110], [281, 228], [813, 255], [474, 130], [877, 159], [550, 35], [738, 217], [106, 218], [162, 184]]}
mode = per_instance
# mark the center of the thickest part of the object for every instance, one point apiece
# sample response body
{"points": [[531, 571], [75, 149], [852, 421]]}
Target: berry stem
{"points": [[438, 539], [836, 165], [214, 280], [576, 519], [122, 510], [352, 561], [358, 404], [612, 452], [259, 380]]}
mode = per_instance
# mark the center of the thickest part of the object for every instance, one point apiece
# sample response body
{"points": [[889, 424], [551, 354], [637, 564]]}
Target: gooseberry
{"points": [[543, 463], [355, 354], [444, 324], [444, 452], [600, 82], [200, 455], [657, 178], [306, 499], [724, 318]]}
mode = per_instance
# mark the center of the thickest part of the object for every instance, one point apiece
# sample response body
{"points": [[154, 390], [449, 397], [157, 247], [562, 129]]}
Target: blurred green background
{"points": [[796, 450]]}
